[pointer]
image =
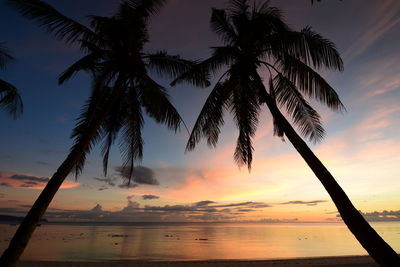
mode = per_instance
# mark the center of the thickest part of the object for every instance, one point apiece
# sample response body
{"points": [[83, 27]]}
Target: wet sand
{"points": [[356, 261]]}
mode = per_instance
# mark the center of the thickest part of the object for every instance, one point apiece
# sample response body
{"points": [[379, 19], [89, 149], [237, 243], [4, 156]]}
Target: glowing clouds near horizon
{"points": [[27, 181]]}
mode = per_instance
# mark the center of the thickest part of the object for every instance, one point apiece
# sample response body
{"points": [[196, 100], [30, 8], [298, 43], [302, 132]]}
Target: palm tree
{"points": [[10, 100], [257, 39], [122, 90]]}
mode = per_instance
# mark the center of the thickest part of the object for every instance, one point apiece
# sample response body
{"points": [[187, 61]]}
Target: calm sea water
{"points": [[193, 241]]}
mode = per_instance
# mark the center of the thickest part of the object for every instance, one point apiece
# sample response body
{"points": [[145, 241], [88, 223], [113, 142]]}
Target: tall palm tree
{"points": [[256, 39], [10, 100], [122, 90]]}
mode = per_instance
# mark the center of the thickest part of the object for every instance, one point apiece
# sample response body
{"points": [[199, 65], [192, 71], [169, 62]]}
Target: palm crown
{"points": [[10, 100], [257, 40], [122, 88]]}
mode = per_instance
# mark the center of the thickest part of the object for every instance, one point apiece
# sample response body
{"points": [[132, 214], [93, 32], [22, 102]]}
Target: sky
{"points": [[361, 149]]}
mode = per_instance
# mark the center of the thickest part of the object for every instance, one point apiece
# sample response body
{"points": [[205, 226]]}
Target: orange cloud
{"points": [[28, 181]]}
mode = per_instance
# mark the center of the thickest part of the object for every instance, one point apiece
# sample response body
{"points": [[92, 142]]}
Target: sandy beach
{"points": [[325, 261]]}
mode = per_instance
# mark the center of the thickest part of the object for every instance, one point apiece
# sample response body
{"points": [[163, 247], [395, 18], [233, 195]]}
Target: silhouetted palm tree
{"points": [[10, 100], [256, 39], [122, 90]]}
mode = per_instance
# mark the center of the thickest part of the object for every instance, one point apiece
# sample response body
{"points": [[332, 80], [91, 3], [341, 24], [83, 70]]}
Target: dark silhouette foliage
{"points": [[257, 40], [122, 91], [10, 100]]}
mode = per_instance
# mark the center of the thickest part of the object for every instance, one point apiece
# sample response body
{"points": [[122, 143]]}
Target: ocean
{"points": [[193, 241]]}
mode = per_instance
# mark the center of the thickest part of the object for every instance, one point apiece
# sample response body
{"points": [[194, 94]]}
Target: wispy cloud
{"points": [[20, 180], [108, 180], [43, 163], [384, 18], [307, 203]]}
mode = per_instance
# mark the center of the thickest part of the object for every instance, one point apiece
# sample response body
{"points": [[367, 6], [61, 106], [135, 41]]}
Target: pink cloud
{"points": [[28, 181], [377, 120]]}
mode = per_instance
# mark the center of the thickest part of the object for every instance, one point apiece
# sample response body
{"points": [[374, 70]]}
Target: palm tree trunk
{"points": [[377, 248], [21, 238]]}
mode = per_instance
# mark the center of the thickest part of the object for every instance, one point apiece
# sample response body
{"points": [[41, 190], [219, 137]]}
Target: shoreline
{"points": [[343, 261]]}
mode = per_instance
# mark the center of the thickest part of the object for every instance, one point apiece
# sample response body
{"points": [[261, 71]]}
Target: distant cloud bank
{"points": [[383, 216]]}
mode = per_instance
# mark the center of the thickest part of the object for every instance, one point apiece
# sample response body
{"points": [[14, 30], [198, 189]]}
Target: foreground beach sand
{"points": [[357, 261]]}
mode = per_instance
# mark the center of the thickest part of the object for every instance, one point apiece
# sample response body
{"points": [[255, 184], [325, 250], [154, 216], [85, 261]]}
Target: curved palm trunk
{"points": [[25, 230], [21, 238], [377, 248]]}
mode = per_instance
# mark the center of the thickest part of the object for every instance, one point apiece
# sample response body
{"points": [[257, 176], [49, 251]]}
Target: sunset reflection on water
{"points": [[194, 241]]}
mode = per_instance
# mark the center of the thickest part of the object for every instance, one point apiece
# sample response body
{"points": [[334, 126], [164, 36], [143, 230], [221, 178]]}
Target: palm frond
{"points": [[56, 23], [168, 65], [88, 128], [5, 57], [321, 51], [270, 19], [146, 8], [156, 101], [210, 119], [304, 116], [245, 108], [222, 27], [86, 63], [311, 83], [307, 46], [132, 142], [110, 127], [265, 7], [10, 100], [199, 74], [238, 7]]}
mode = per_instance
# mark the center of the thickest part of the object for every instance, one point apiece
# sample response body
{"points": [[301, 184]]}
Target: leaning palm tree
{"points": [[257, 40], [10, 100], [122, 91]]}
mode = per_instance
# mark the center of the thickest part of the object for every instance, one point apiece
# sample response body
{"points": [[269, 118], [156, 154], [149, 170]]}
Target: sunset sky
{"points": [[361, 149]]}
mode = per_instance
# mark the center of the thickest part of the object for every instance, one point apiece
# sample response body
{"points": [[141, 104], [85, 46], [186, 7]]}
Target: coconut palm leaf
{"points": [[5, 57], [310, 83], [269, 18], [146, 8], [304, 116], [56, 23], [245, 107], [322, 53], [221, 25], [111, 126], [82, 132], [198, 74], [307, 46], [168, 65], [131, 144], [211, 118], [156, 101], [237, 8], [86, 63], [10, 100]]}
